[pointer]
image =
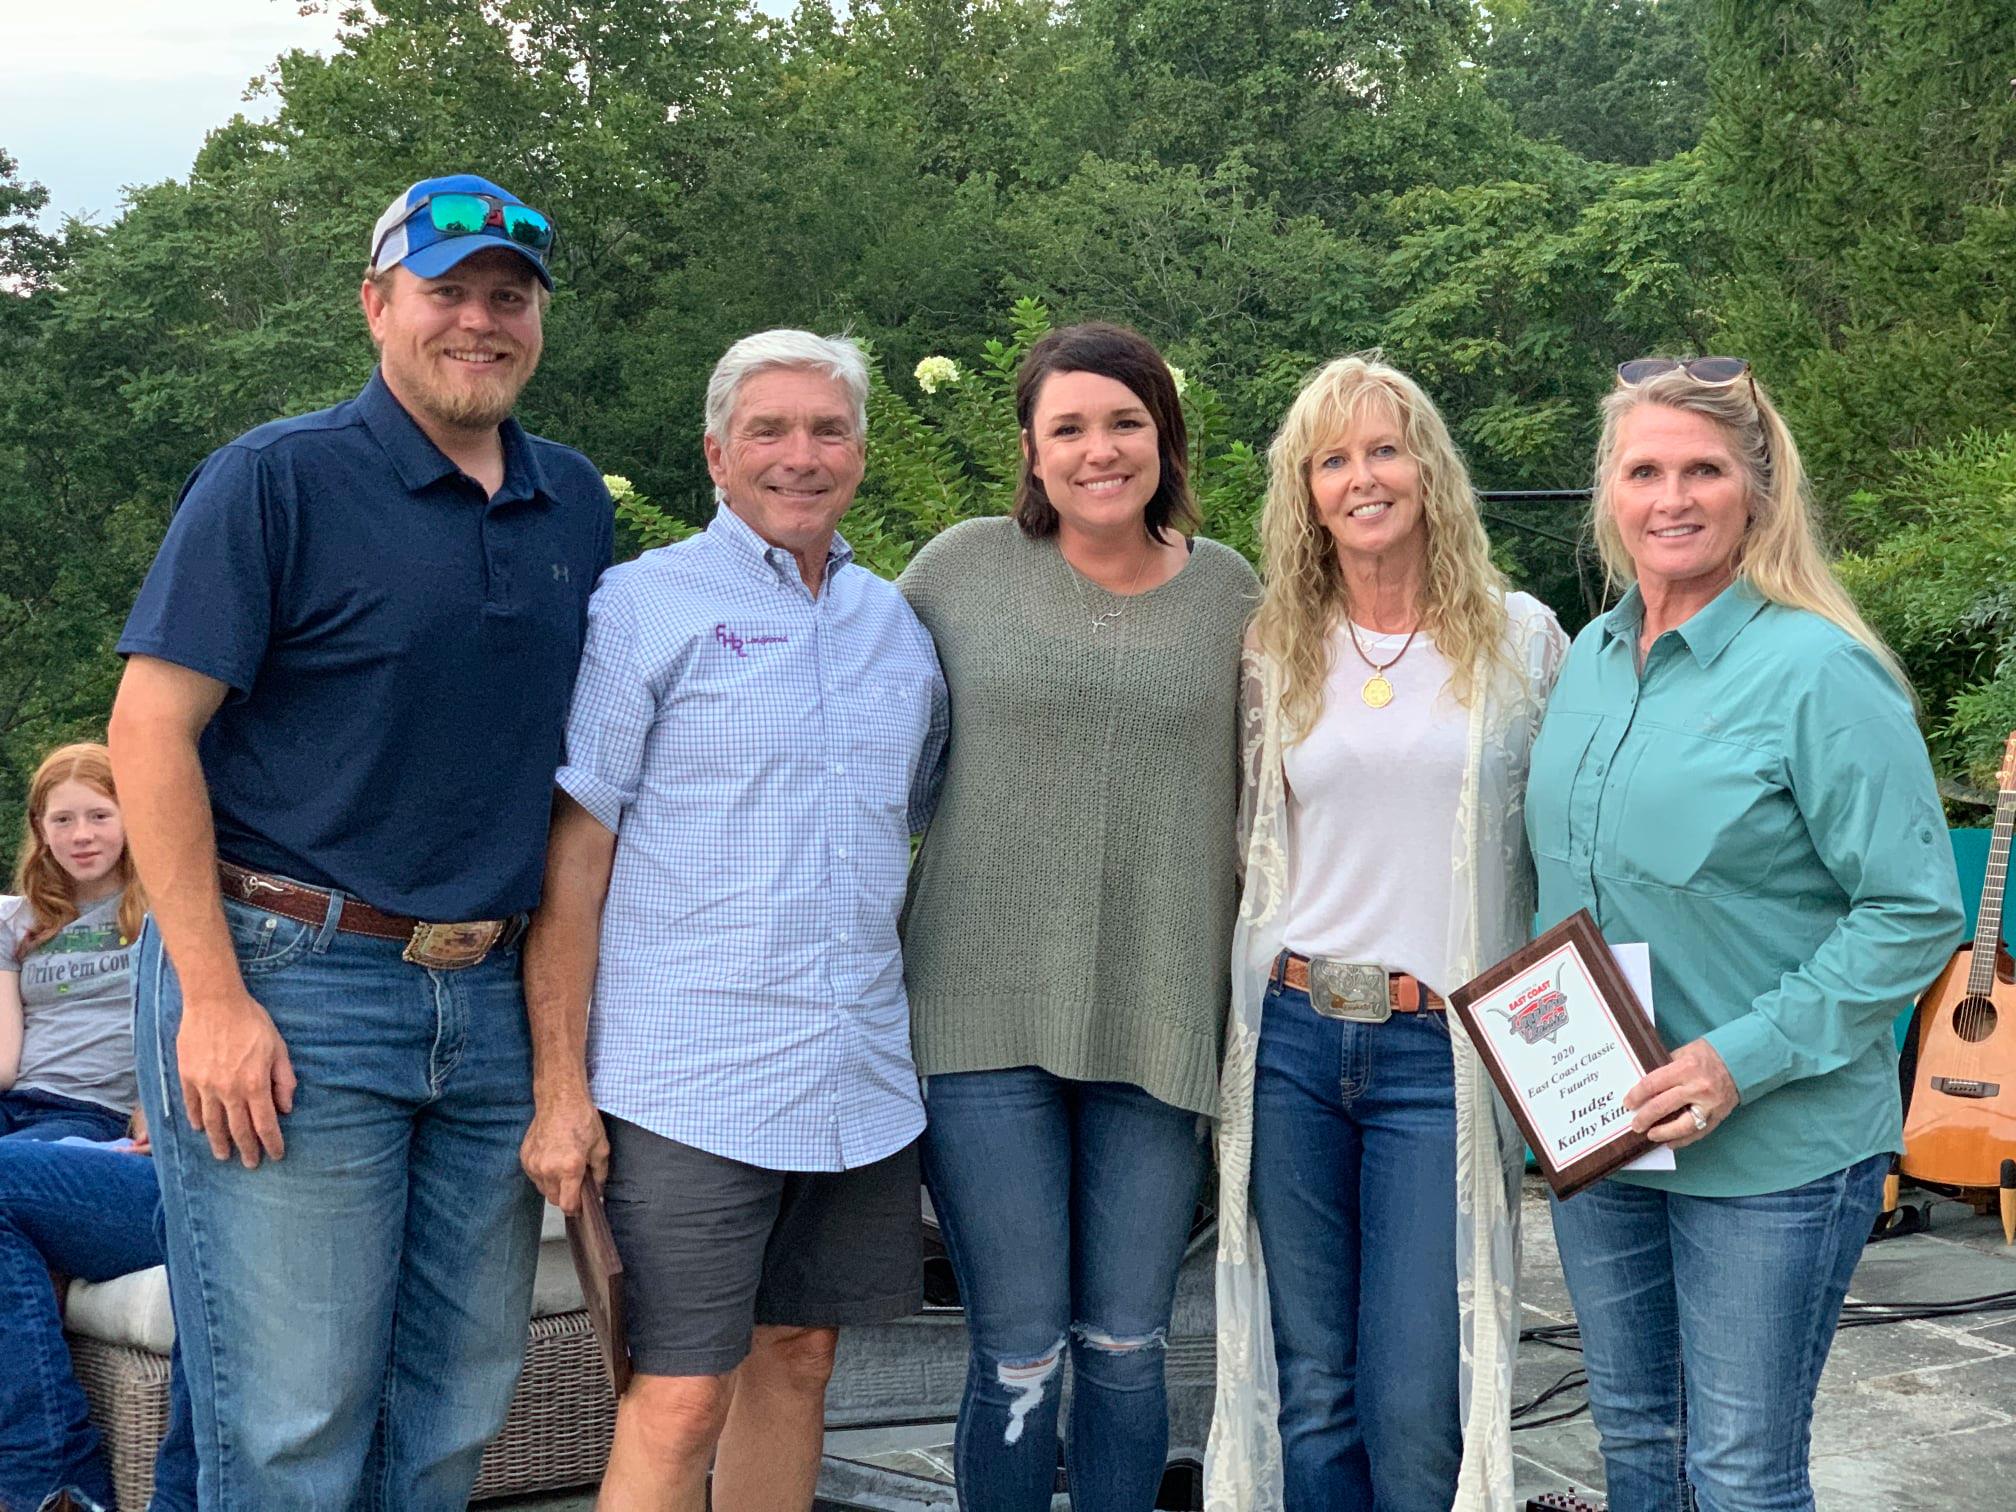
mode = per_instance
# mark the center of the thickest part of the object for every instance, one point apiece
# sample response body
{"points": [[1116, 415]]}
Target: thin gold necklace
{"points": [[1378, 692]]}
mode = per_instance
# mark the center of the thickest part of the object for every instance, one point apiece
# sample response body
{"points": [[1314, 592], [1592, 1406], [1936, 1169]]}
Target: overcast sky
{"points": [[100, 94]]}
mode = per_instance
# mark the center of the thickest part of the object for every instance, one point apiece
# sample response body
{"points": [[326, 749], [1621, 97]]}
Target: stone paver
{"points": [[1912, 1417]]}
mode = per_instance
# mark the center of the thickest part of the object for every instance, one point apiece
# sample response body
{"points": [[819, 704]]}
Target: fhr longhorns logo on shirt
{"points": [[1538, 1012], [739, 643]]}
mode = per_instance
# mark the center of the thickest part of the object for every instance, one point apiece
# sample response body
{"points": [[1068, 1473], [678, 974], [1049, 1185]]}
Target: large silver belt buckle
{"points": [[451, 947], [1354, 990]]}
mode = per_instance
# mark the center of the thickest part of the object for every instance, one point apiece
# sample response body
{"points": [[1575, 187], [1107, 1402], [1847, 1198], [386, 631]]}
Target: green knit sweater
{"points": [[1072, 905]]}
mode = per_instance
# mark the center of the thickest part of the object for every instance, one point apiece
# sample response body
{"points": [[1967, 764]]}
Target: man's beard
{"points": [[486, 405]]}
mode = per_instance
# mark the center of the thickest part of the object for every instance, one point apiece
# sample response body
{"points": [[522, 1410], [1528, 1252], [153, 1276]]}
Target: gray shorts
{"points": [[712, 1247]]}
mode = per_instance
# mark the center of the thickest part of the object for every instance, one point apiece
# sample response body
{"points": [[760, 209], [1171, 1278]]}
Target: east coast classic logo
{"points": [[1541, 1018]]}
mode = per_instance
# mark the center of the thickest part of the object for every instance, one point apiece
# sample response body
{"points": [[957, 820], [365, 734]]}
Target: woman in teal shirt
{"points": [[1731, 771]]}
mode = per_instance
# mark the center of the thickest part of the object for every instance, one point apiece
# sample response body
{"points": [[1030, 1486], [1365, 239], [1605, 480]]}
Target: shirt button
{"points": [[839, 770], [841, 853], [843, 937]]}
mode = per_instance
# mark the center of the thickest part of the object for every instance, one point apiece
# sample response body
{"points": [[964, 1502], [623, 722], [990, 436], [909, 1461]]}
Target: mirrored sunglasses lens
{"points": [[1642, 368], [527, 227], [1718, 369], [457, 214]]}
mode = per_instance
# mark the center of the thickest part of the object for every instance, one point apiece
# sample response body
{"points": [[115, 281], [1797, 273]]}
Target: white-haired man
{"points": [[715, 987]]}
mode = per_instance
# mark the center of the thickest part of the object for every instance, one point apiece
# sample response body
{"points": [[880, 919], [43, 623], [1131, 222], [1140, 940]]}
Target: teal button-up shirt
{"points": [[1756, 806]]}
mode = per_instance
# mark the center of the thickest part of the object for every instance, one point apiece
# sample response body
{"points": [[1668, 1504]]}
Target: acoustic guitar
{"points": [[1960, 1125]]}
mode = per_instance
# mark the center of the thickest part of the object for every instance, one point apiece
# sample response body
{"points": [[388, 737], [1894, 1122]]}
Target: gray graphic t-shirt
{"points": [[77, 1002]]}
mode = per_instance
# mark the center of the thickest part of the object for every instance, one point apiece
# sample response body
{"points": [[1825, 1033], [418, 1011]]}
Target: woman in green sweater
{"points": [[1070, 918]]}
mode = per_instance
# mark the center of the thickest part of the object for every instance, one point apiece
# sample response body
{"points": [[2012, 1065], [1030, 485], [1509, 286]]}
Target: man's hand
{"points": [[236, 1077], [1664, 1103], [566, 1142]]}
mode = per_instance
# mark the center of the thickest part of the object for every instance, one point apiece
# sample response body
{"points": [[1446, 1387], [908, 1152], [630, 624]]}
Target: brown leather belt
{"points": [[443, 947], [1405, 992]]}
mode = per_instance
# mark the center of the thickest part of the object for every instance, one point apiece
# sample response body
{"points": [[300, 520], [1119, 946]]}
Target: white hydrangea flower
{"points": [[619, 486], [1177, 376], [933, 371]]}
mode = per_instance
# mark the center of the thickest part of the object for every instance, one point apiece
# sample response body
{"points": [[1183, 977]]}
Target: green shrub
{"points": [[1942, 588], [952, 452]]}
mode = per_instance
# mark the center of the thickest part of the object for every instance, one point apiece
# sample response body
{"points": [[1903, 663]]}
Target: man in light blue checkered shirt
{"points": [[757, 731]]}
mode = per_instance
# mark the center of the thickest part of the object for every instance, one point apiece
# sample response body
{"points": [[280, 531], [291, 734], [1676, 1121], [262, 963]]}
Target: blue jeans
{"points": [[1354, 1192], [1705, 1322], [1065, 1208], [353, 1316], [29, 1113], [92, 1215]]}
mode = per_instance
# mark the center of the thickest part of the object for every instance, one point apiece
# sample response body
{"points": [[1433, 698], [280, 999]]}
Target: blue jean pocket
{"points": [[265, 942]]}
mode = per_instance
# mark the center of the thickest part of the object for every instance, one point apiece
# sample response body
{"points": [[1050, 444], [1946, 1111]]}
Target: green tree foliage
{"points": [[952, 454], [1866, 157], [1615, 81], [1942, 589], [1506, 197]]}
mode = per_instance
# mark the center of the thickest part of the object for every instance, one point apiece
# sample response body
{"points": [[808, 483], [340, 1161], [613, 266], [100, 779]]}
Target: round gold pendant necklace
{"points": [[1378, 692]]}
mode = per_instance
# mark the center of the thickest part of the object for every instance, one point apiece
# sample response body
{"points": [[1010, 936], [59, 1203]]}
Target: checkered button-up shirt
{"points": [[763, 757]]}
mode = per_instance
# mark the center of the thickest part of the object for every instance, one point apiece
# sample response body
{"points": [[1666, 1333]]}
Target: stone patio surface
{"points": [[1912, 1415]]}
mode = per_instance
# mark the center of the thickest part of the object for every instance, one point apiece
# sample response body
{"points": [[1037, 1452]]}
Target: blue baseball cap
{"points": [[403, 238]]}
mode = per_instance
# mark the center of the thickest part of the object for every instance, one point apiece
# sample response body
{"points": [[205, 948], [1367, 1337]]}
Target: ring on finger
{"points": [[1700, 1116]]}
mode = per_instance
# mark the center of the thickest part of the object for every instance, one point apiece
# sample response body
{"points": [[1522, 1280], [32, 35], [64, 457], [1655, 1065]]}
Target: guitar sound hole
{"points": [[1974, 1019]]}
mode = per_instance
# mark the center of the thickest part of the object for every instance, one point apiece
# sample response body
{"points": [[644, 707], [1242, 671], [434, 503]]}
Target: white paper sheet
{"points": [[1635, 961]]}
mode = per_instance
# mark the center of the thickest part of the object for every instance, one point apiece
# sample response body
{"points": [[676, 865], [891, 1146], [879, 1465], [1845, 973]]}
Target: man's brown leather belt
{"points": [[1405, 992], [443, 947]]}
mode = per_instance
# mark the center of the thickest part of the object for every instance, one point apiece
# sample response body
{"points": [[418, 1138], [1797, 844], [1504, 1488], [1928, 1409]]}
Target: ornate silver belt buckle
{"points": [[1353, 990], [451, 947]]}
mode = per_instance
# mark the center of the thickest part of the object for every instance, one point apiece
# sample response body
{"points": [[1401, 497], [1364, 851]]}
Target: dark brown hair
{"points": [[1127, 357]]}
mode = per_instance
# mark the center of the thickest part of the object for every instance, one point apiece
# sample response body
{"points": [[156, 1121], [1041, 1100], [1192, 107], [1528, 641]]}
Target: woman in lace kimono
{"points": [[1395, 689]]}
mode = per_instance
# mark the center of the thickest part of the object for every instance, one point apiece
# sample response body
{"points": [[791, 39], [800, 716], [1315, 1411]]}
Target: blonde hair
{"points": [[1305, 597], [1781, 554], [39, 877]]}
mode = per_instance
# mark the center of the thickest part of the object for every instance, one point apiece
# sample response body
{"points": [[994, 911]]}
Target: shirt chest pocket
{"points": [[1558, 754], [891, 717], [1699, 816]]}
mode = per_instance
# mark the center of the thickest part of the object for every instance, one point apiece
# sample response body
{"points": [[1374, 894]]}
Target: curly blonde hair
{"points": [[1781, 554], [1305, 598], [39, 877]]}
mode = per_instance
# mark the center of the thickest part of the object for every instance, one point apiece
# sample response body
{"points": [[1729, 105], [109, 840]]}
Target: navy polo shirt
{"points": [[399, 648]]}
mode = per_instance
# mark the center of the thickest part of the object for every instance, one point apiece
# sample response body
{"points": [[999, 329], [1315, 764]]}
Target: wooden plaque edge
{"points": [[598, 1266], [1640, 1038]]}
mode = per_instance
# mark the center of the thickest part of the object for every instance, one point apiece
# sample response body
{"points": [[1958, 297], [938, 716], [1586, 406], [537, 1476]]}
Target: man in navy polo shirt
{"points": [[347, 677]]}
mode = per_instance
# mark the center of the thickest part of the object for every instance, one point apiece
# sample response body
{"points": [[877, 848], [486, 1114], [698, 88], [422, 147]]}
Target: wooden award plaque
{"points": [[600, 1270], [1563, 1037]]}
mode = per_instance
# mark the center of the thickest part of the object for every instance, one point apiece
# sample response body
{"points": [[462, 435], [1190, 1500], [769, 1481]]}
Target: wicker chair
{"points": [[555, 1437]]}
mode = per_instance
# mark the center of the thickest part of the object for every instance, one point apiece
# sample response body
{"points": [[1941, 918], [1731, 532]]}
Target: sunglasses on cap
{"points": [[464, 212], [1712, 372]]}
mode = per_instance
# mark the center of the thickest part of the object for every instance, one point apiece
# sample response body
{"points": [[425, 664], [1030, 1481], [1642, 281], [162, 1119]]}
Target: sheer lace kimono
{"points": [[1490, 916]]}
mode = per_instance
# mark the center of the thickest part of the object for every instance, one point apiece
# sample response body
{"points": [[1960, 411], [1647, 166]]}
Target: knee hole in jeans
{"points": [[1027, 1380], [1107, 1343]]}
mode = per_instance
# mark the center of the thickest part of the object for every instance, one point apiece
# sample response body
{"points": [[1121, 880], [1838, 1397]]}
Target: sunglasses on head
{"points": [[1711, 371], [464, 212]]}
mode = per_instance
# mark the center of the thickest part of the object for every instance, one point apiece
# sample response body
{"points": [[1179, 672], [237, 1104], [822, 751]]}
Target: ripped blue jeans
{"points": [[1065, 1207]]}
